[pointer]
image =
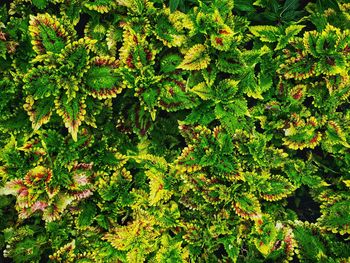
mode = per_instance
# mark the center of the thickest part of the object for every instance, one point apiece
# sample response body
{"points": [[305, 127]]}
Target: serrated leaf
{"points": [[72, 111], [102, 221], [276, 188], [41, 82], [102, 78], [48, 35], [246, 205], [265, 33], [41, 4], [202, 90], [196, 58], [336, 217], [87, 214], [156, 185], [39, 111]]}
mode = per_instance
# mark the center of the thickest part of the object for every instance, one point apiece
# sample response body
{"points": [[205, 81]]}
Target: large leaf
{"points": [[173, 4], [47, 33], [335, 217], [41, 82], [103, 79], [276, 188], [265, 33], [87, 214], [196, 58]]}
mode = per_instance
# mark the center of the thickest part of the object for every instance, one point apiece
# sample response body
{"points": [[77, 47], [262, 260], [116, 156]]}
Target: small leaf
{"points": [[202, 90], [276, 188], [39, 111], [72, 111]]}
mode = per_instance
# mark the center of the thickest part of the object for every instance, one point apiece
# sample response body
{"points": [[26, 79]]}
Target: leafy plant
{"points": [[174, 131]]}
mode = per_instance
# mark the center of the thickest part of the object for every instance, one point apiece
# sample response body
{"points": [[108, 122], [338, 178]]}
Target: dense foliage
{"points": [[175, 131]]}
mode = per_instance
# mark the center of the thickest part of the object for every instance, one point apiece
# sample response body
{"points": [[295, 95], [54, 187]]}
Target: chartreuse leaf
{"points": [[290, 32], [335, 217], [48, 35], [101, 6], [39, 111], [196, 58], [171, 251], [247, 206], [103, 79], [72, 112], [203, 91], [137, 238], [265, 33], [276, 188], [156, 185]]}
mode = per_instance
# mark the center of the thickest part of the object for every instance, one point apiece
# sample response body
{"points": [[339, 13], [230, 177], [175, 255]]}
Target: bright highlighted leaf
{"points": [[102, 78], [246, 205], [47, 33], [277, 187], [196, 58], [72, 111], [265, 33]]}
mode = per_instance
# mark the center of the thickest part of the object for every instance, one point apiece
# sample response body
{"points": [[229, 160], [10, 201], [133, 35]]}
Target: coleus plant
{"points": [[174, 131]]}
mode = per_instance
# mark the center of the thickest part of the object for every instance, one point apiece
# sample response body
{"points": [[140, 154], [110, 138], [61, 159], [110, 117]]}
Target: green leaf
{"points": [[265, 33], [41, 4], [203, 91], [276, 188], [39, 111], [196, 58], [103, 79], [231, 115], [48, 35], [335, 217], [324, 5], [290, 5], [170, 62], [72, 112], [247, 206], [41, 82], [87, 214], [102, 221], [231, 247], [173, 4]]}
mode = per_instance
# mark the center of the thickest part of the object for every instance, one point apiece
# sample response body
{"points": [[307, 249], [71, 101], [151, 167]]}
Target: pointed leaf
{"points": [[39, 111], [103, 79], [47, 33], [196, 58], [72, 111]]}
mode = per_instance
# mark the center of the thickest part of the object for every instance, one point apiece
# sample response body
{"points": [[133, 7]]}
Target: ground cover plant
{"points": [[174, 131]]}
